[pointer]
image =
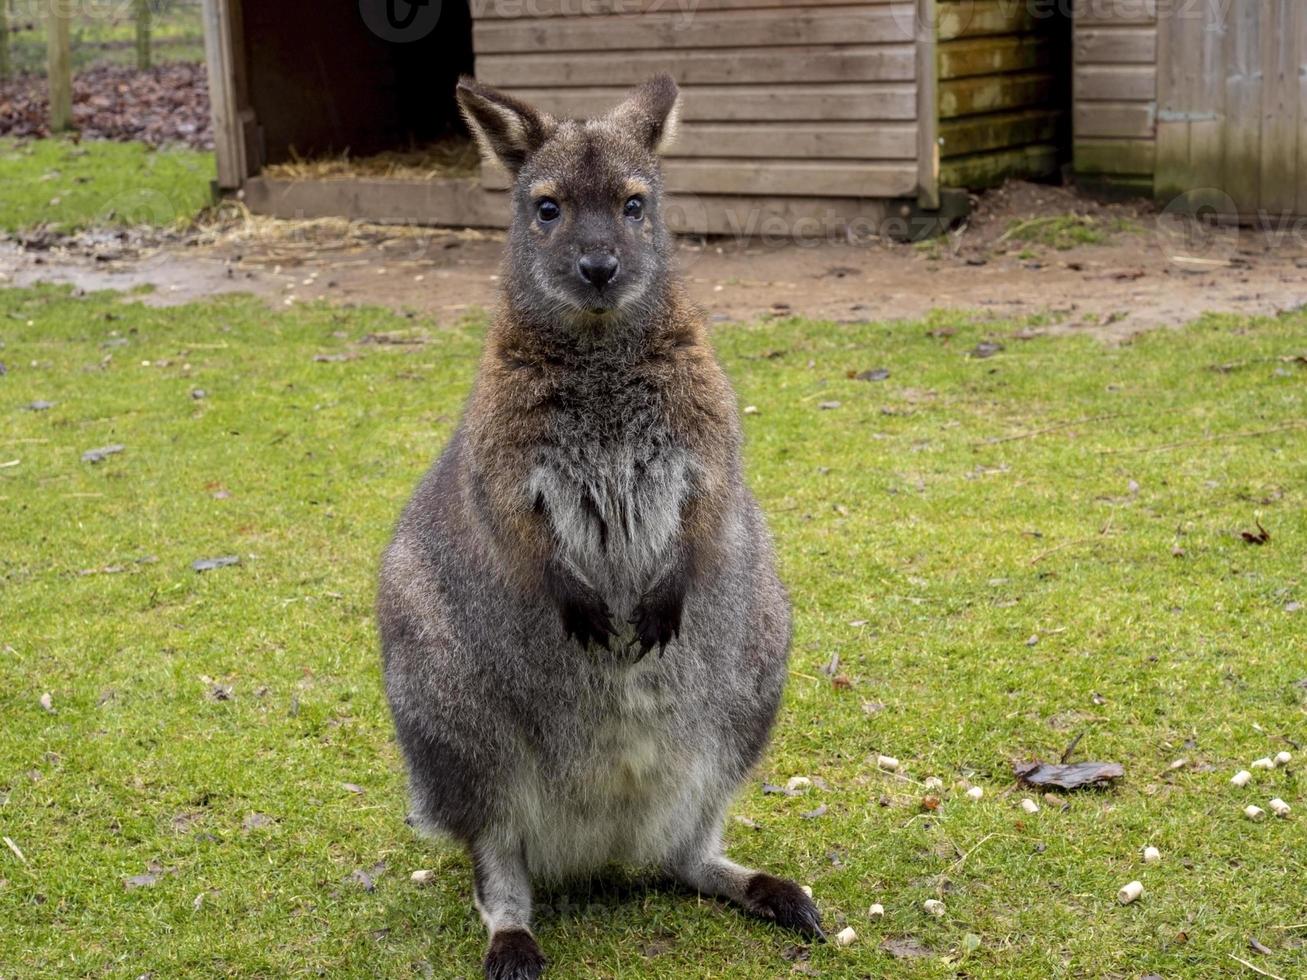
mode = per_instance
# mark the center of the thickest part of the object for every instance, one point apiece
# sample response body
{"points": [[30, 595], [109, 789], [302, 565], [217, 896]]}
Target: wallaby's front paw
{"points": [[783, 902], [586, 618], [514, 955], [657, 620]]}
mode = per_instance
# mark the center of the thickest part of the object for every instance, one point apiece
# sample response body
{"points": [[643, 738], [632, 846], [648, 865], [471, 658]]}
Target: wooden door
{"points": [[1232, 106]]}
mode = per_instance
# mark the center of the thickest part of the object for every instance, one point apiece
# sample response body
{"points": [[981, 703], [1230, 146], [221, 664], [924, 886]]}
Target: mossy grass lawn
{"points": [[1005, 552], [69, 186]]}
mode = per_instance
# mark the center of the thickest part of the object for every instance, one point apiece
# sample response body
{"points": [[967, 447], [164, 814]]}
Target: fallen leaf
{"points": [[367, 878], [827, 406], [875, 374], [361, 878], [47, 702], [219, 692], [1260, 536], [814, 814], [140, 881], [986, 348], [352, 787], [101, 454], [1258, 947], [1073, 776], [209, 564], [255, 821], [38, 406]]}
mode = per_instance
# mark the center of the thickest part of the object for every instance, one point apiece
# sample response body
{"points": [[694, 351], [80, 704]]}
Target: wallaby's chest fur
{"points": [[612, 477]]}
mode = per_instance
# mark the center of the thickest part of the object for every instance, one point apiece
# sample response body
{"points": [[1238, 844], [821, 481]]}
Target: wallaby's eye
{"points": [[634, 209], [547, 210]]}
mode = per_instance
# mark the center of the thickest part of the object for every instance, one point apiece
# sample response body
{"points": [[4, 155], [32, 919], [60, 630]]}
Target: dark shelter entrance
{"points": [[329, 79]]}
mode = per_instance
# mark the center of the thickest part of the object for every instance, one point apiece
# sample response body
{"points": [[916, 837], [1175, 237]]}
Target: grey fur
{"points": [[546, 758]]}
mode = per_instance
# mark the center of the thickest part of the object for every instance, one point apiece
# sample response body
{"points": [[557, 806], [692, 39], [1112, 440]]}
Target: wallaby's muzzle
{"points": [[599, 269]]}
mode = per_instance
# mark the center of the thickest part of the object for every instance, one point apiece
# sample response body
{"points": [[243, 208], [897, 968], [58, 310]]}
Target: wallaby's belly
{"points": [[634, 789]]}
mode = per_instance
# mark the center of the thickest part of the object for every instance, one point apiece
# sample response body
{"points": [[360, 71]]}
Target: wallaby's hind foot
{"points": [[784, 902], [778, 900], [514, 955]]}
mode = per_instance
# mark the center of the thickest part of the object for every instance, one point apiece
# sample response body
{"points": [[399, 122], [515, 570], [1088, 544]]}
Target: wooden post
{"points": [[228, 131], [4, 40], [927, 24], [59, 66], [142, 34]]}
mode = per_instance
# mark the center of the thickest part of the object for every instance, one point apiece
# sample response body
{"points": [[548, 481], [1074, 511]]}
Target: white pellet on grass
{"points": [[1152, 855], [877, 911], [935, 907], [1283, 758], [797, 784], [1130, 892], [1279, 807], [422, 877], [807, 890], [888, 763], [975, 793], [1264, 763], [1029, 805], [933, 782], [1254, 813], [1241, 778], [846, 937]]}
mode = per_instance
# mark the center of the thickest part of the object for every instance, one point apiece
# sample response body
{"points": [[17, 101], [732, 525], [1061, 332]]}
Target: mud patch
{"points": [[1138, 272]]}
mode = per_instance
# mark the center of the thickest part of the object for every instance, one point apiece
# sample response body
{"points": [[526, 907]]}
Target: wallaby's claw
{"points": [[589, 622], [657, 622], [785, 903]]}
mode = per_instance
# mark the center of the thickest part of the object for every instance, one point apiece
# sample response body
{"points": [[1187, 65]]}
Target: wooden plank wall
{"points": [[1003, 99], [1115, 86], [1232, 115], [814, 99]]}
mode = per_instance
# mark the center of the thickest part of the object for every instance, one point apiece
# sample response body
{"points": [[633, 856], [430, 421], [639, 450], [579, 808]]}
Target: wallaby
{"points": [[589, 507]]}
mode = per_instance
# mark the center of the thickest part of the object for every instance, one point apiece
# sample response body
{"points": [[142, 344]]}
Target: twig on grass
{"points": [[1071, 748], [1065, 544], [996, 440], [962, 860], [1215, 437], [1254, 968], [14, 847]]}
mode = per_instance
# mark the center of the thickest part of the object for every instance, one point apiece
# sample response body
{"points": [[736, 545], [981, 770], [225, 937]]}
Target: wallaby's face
{"points": [[588, 239]]}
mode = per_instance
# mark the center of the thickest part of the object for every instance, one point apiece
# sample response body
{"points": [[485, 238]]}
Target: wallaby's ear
{"points": [[505, 128], [650, 113]]}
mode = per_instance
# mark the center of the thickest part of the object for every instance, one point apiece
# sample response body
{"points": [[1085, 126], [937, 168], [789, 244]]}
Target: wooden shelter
{"points": [[815, 114]]}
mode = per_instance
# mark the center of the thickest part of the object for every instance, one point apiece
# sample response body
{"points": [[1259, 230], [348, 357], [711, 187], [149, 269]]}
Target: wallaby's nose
{"points": [[598, 268]]}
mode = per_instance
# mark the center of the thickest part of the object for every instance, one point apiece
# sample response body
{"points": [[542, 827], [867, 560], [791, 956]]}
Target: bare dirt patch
{"points": [[1027, 251]]}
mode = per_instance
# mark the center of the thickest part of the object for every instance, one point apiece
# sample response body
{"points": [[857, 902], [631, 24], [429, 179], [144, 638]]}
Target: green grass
{"points": [[1066, 231], [928, 527], [70, 186]]}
